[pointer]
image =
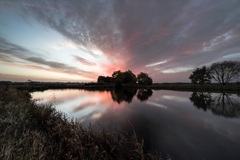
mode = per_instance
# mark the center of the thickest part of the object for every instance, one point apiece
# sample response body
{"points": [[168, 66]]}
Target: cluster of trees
{"points": [[127, 77], [220, 72]]}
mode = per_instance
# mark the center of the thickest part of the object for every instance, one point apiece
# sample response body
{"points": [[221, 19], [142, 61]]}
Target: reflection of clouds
{"points": [[84, 105], [157, 105], [78, 104], [96, 116], [47, 96], [175, 98], [90, 113]]}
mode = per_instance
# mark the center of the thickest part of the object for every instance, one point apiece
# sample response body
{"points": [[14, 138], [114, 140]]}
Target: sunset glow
{"points": [[75, 41]]}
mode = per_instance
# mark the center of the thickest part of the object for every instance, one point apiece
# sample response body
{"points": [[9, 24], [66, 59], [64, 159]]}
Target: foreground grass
{"points": [[29, 131]]}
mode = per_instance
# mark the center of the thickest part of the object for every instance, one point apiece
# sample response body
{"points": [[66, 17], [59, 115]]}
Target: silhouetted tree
{"points": [[101, 79], [143, 78], [144, 94], [118, 76], [225, 72], [129, 77], [109, 79], [125, 77], [200, 76], [116, 73]]}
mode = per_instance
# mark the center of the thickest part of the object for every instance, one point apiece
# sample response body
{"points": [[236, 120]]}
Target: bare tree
{"points": [[225, 72]]}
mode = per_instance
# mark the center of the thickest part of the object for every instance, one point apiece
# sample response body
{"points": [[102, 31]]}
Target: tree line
{"points": [[219, 72], [127, 77]]}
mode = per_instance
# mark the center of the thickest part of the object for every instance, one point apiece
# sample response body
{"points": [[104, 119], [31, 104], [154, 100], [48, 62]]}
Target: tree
{"points": [[126, 77], [225, 72], [129, 77], [101, 79], [116, 73], [200, 76], [118, 76], [143, 78]]}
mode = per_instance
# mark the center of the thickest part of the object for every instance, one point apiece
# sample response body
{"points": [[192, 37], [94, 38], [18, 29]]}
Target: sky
{"points": [[78, 40]]}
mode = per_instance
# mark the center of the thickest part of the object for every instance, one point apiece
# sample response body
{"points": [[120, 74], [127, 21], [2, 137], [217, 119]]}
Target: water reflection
{"points": [[78, 104], [89, 106], [168, 121], [144, 94], [120, 95], [223, 104]]}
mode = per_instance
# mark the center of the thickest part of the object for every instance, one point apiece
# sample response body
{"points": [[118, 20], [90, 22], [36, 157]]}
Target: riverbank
{"points": [[234, 88], [30, 131], [38, 86]]}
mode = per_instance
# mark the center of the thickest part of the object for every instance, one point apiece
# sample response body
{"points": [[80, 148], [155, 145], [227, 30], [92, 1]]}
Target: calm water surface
{"points": [[185, 125]]}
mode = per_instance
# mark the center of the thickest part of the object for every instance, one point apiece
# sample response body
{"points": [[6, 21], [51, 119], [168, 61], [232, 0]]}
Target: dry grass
{"points": [[29, 131]]}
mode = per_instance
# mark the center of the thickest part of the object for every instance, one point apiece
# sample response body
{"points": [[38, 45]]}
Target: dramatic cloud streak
{"points": [[159, 37]]}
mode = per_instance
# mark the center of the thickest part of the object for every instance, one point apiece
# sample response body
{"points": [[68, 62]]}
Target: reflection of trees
{"points": [[238, 93], [201, 100], [144, 94], [119, 95], [224, 104]]}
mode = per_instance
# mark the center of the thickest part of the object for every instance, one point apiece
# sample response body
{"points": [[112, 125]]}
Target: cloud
{"points": [[11, 49], [64, 45], [230, 56], [84, 61], [157, 63], [56, 65], [190, 33], [177, 70], [9, 52], [5, 58]]}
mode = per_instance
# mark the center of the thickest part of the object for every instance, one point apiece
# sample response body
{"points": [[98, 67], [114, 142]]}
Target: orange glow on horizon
{"points": [[37, 72]]}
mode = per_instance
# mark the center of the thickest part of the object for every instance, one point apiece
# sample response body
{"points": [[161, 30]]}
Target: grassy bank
{"points": [[38, 86], [234, 88], [29, 131]]}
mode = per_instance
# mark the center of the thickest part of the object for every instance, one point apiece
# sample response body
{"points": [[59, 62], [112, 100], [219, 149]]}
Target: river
{"points": [[183, 125]]}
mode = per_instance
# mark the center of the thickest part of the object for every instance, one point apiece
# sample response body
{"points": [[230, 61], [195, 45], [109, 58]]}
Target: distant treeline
{"points": [[219, 72], [128, 77]]}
